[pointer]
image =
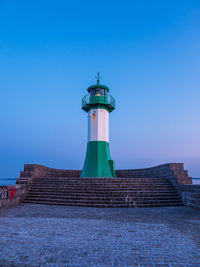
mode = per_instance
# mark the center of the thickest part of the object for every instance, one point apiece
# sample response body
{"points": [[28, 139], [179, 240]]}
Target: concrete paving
{"points": [[40, 235]]}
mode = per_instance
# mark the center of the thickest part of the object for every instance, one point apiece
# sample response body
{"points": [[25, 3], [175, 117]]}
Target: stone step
{"points": [[138, 176], [100, 205], [101, 180], [138, 188], [69, 189], [99, 194], [103, 192], [104, 199], [100, 184], [100, 190]]}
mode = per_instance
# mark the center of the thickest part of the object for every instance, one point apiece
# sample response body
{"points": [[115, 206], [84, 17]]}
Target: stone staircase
{"points": [[103, 192]]}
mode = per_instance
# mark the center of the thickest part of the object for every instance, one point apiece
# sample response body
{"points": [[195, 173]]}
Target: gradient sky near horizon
{"points": [[148, 53]]}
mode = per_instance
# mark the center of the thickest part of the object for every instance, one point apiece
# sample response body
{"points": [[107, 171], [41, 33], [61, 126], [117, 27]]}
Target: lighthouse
{"points": [[98, 104]]}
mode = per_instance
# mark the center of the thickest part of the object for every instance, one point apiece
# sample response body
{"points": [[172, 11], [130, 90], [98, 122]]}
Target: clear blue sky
{"points": [[148, 53]]}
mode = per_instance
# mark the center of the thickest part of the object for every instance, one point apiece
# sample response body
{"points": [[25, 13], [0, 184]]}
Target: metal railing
{"points": [[107, 99], [85, 100], [196, 181]]}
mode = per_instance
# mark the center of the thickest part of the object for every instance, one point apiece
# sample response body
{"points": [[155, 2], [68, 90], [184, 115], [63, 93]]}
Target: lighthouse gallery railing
{"points": [[107, 99]]}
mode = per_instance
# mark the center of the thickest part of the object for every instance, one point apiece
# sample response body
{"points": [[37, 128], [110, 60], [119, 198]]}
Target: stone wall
{"points": [[12, 195], [191, 195], [173, 171], [35, 170]]}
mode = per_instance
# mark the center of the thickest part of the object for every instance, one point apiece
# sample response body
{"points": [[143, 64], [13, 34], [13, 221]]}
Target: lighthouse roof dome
{"points": [[98, 85]]}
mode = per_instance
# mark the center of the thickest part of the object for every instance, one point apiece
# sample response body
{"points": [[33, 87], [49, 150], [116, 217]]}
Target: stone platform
{"points": [[41, 235]]}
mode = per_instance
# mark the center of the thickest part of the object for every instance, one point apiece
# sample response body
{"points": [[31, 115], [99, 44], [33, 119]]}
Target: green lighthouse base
{"points": [[98, 162]]}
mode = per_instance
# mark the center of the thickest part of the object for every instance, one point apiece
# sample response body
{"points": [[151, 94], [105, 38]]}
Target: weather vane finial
{"points": [[98, 77]]}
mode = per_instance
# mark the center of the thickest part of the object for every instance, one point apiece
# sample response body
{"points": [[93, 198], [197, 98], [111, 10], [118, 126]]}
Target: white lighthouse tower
{"points": [[98, 104]]}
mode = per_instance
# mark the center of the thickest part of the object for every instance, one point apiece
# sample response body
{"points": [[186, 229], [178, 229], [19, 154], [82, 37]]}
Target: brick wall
{"points": [[173, 171], [12, 195], [36, 170]]}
